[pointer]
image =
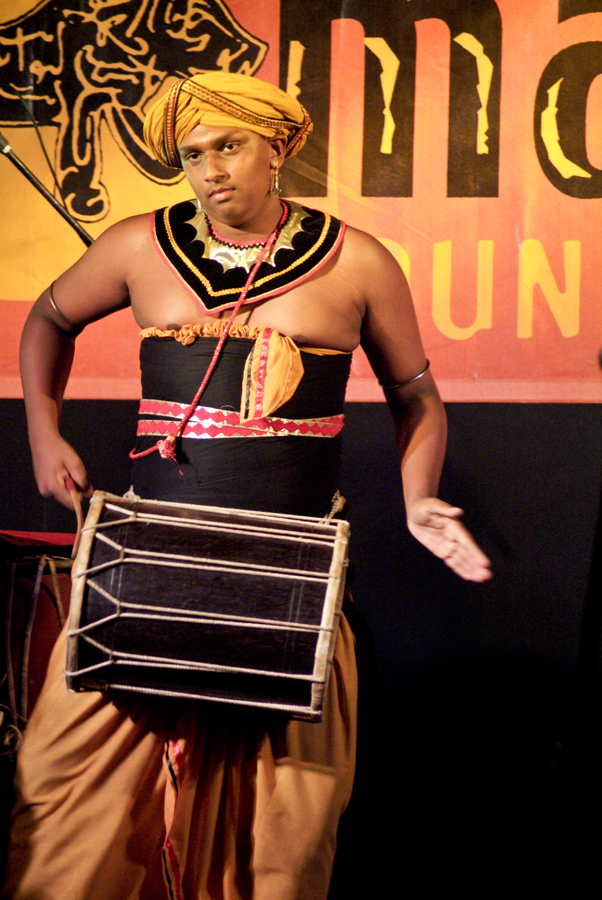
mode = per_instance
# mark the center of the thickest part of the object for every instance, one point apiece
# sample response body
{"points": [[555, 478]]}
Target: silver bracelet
{"points": [[57, 310], [400, 384]]}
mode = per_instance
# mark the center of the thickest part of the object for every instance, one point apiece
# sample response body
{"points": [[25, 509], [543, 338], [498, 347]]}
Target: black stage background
{"points": [[493, 755]]}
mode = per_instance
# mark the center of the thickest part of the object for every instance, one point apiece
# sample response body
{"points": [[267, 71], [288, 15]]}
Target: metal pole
{"points": [[6, 149]]}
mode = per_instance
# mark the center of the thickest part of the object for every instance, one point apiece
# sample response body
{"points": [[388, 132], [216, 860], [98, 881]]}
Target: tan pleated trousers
{"points": [[162, 800]]}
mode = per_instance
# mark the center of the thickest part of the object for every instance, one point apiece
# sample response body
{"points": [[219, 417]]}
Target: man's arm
{"points": [[392, 343], [94, 287], [46, 356], [421, 431]]}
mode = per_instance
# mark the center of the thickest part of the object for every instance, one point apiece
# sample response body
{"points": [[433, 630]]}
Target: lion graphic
{"points": [[77, 64]]}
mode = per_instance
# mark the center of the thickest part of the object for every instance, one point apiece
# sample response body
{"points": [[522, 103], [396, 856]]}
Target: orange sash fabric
{"points": [[273, 369]]}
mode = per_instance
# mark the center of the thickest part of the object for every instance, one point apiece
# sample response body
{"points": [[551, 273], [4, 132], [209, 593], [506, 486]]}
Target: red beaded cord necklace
{"points": [[167, 446]]}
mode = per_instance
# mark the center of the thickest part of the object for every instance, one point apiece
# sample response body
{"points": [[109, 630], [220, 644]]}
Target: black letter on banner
{"points": [[560, 135], [569, 8], [309, 23], [389, 174], [470, 173]]}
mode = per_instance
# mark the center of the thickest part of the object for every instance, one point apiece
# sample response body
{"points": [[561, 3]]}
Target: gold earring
{"points": [[275, 190]]}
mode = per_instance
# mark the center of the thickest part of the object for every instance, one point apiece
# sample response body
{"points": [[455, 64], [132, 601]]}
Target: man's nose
{"points": [[214, 169]]}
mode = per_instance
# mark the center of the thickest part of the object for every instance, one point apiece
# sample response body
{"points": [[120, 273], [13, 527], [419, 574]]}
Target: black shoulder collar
{"points": [[216, 270]]}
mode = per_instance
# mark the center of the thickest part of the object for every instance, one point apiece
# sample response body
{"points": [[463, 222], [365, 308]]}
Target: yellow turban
{"points": [[223, 99]]}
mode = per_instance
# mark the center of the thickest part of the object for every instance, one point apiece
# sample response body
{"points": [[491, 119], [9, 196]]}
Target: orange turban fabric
{"points": [[223, 99]]}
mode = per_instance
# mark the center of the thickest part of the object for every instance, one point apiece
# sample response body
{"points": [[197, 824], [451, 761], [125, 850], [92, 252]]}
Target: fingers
{"points": [[461, 552], [60, 473], [77, 474], [467, 560], [62, 489], [75, 494], [76, 485], [436, 525], [71, 484]]}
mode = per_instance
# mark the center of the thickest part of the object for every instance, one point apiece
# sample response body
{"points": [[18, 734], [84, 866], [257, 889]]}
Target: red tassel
{"points": [[167, 448]]}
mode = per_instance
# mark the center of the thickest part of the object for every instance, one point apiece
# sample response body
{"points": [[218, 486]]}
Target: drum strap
{"points": [[167, 446]]}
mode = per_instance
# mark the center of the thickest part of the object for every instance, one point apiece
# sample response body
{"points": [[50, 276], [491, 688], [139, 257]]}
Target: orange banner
{"points": [[464, 136]]}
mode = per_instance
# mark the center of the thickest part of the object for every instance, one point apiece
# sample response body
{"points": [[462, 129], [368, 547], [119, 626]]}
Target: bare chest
{"points": [[324, 311]]}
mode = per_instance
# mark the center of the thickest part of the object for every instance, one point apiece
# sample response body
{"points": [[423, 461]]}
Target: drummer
{"points": [[131, 798]]}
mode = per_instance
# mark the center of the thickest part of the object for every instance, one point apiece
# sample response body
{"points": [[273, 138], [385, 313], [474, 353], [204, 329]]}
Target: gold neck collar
{"points": [[232, 255]]}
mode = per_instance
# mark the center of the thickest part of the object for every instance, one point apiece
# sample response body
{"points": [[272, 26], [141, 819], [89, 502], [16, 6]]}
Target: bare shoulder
{"points": [[370, 264], [123, 237], [118, 242], [358, 239], [363, 249], [98, 283]]}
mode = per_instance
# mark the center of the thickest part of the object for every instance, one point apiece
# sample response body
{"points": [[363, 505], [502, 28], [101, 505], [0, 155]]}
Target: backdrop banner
{"points": [[465, 136]]}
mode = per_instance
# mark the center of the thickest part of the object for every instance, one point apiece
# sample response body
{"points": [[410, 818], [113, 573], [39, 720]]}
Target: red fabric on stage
{"points": [[37, 538]]}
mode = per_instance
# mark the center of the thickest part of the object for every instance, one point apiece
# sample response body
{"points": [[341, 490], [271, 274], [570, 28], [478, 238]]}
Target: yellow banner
{"points": [[465, 136]]}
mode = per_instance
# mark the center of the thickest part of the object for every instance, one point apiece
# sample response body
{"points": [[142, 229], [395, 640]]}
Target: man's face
{"points": [[229, 170]]}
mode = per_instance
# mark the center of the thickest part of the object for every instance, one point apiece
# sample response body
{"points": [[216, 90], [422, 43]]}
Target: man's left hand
{"points": [[436, 525]]}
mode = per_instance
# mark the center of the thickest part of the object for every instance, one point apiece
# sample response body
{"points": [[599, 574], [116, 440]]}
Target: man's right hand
{"points": [[55, 461]]}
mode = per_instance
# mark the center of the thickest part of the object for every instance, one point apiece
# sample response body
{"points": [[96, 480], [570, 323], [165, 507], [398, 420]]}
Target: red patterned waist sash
{"points": [[208, 422]]}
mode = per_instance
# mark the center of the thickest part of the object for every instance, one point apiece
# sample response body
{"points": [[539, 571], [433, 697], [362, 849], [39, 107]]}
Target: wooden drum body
{"points": [[207, 603]]}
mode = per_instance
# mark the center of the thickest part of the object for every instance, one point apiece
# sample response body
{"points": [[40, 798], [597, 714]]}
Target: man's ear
{"points": [[278, 147]]}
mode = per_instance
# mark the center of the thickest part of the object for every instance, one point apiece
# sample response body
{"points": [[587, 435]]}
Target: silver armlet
{"points": [[400, 384], [57, 310]]}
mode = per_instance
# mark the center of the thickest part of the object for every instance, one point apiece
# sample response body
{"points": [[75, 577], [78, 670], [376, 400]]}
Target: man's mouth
{"points": [[220, 193]]}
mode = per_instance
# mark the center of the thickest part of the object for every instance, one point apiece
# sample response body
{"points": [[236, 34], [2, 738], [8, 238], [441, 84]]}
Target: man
{"points": [[134, 799]]}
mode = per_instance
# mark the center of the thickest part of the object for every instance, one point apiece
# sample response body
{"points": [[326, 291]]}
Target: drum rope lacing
{"points": [[167, 446]]}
